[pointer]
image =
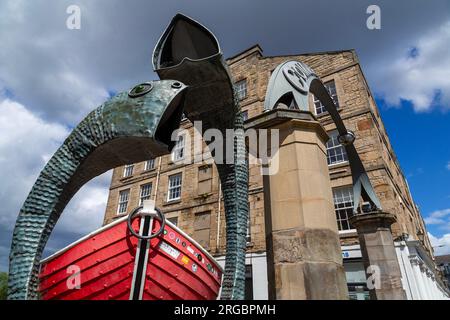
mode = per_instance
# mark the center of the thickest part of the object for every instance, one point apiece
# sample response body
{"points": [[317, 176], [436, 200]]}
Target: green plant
{"points": [[3, 285]]}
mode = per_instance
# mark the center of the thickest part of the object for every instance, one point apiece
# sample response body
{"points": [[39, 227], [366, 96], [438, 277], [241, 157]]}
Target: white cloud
{"points": [[439, 217], [57, 73], [440, 245], [85, 211], [448, 165], [26, 143], [418, 77]]}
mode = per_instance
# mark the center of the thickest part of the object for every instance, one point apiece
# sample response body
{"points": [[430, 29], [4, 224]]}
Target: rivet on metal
{"points": [[176, 85]]}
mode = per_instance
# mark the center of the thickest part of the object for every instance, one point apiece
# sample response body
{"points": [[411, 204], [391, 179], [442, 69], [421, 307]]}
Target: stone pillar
{"points": [[304, 259], [378, 251]]}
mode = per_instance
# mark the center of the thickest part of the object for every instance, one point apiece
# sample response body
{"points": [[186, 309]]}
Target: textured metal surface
{"points": [[190, 53], [290, 80], [123, 130], [294, 80]]}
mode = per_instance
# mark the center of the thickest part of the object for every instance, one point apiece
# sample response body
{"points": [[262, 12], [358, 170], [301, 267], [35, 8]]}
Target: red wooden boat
{"points": [[113, 264]]}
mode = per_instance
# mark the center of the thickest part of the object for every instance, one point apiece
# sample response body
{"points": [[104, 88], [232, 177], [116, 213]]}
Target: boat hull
{"points": [[103, 266]]}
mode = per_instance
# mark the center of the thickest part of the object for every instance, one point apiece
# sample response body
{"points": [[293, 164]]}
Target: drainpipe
{"points": [[157, 179]]}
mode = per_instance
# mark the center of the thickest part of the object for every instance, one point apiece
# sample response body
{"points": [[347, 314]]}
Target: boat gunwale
{"points": [[118, 221]]}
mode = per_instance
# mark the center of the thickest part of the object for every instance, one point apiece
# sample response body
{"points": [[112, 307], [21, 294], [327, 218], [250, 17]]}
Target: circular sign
{"points": [[297, 75]]}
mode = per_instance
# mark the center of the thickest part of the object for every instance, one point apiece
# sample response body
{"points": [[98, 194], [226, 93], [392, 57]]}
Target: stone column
{"points": [[304, 259], [378, 251]]}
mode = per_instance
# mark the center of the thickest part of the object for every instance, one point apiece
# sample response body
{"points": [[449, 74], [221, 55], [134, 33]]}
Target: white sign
{"points": [[174, 253]]}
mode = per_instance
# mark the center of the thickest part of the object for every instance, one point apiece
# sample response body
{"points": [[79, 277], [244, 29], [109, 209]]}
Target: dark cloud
{"points": [[62, 73]]}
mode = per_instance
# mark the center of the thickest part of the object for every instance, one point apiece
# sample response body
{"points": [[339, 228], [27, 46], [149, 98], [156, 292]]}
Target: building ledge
{"points": [[172, 202], [253, 49]]}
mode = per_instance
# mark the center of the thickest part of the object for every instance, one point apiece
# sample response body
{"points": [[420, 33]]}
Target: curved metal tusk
{"points": [[362, 187], [128, 128], [189, 52], [294, 80]]}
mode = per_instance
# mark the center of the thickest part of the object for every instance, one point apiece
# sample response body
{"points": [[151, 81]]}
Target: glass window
{"points": [[150, 164], [173, 220], [335, 151], [145, 194], [128, 170], [343, 206], [178, 149], [331, 88], [174, 192], [245, 115], [241, 89], [124, 195]]}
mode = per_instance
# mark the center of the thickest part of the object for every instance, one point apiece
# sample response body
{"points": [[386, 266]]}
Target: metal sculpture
{"points": [[135, 126], [130, 127], [290, 84], [190, 53]]}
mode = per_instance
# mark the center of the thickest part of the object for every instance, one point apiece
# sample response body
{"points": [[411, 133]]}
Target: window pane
{"points": [[335, 151], [331, 88], [245, 115], [343, 205], [150, 164], [123, 201], [128, 170], [178, 149], [174, 192], [241, 89], [173, 220], [146, 192]]}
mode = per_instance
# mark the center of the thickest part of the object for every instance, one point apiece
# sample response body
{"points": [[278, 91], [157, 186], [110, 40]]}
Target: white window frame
{"points": [[150, 164], [145, 192], [173, 218], [319, 108], [128, 170], [174, 185], [124, 197], [335, 150], [241, 89], [178, 150], [343, 207]]}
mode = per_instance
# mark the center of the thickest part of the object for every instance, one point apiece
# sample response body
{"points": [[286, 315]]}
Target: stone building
{"points": [[190, 195]]}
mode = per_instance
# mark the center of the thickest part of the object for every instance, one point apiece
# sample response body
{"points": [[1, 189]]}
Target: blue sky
{"points": [[421, 143], [51, 77]]}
